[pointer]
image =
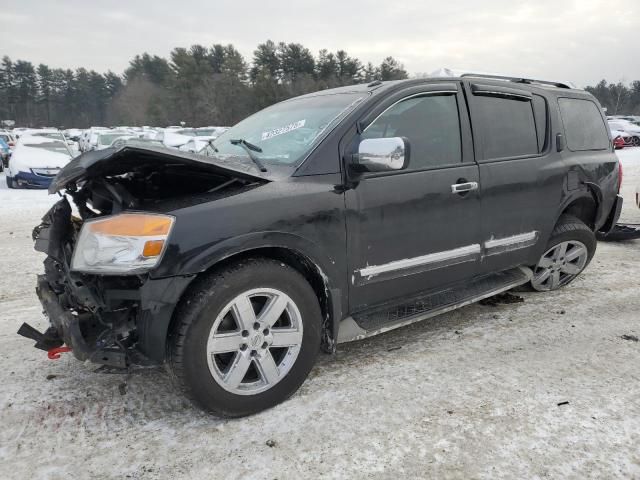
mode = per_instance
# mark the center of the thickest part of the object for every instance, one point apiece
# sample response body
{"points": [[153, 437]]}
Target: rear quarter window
{"points": [[584, 127]]}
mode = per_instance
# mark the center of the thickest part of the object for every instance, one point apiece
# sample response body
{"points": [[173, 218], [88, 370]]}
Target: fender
{"points": [[327, 267]]}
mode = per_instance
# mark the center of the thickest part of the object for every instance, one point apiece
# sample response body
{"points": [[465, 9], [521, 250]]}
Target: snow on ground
{"points": [[470, 394]]}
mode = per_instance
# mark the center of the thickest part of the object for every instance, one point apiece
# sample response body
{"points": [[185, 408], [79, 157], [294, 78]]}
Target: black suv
{"points": [[322, 219]]}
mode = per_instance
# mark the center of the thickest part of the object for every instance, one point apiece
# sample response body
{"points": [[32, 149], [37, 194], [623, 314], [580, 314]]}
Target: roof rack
{"points": [[447, 72]]}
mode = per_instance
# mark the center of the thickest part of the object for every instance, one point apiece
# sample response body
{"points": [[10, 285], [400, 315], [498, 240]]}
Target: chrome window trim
{"points": [[409, 97]]}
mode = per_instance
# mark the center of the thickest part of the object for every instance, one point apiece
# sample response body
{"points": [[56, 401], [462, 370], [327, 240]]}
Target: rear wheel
{"points": [[247, 338], [569, 251]]}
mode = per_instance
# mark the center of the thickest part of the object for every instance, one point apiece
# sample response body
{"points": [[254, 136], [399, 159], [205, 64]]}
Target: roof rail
{"points": [[447, 72]]}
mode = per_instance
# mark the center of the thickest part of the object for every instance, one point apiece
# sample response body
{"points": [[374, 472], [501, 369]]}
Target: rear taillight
{"points": [[619, 175]]}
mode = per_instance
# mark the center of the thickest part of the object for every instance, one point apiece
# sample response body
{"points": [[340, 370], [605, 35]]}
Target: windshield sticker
{"points": [[286, 129]]}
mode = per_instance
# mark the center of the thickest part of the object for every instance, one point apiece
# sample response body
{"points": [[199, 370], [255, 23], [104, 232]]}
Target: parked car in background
{"points": [[196, 144], [104, 139], [322, 219], [73, 134], [54, 134], [5, 152], [210, 131], [627, 127], [629, 118], [9, 138], [88, 138], [136, 141], [36, 160], [622, 139], [618, 143], [175, 137]]}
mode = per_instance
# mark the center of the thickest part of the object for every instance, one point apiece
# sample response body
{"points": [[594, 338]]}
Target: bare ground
{"points": [[547, 388]]}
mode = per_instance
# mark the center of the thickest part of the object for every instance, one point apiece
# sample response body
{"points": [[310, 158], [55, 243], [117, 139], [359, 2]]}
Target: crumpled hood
{"points": [[124, 159]]}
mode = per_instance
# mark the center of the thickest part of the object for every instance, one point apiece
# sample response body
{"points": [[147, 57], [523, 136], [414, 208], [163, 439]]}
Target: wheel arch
{"points": [[585, 207], [304, 259]]}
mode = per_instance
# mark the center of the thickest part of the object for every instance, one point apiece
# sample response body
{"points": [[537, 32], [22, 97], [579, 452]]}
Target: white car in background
{"points": [[196, 144], [104, 139], [55, 134], [36, 160], [175, 137], [88, 136]]}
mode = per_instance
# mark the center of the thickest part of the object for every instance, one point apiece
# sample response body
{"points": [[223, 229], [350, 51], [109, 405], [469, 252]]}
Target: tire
{"points": [[201, 326], [568, 252], [9, 182]]}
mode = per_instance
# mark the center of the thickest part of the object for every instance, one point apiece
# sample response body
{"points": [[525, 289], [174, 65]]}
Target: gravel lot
{"points": [[470, 394]]}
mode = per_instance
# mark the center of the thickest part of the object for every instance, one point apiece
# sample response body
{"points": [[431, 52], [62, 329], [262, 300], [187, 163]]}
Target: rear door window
{"points": [[584, 127], [505, 126]]}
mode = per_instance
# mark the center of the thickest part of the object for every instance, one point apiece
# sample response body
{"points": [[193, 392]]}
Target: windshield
{"points": [[286, 132], [107, 139]]}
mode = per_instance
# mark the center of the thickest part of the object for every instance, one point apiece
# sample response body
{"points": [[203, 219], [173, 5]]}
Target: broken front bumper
{"points": [[107, 319], [66, 324], [130, 326]]}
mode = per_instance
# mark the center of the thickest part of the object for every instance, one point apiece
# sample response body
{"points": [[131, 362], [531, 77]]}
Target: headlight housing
{"points": [[127, 243]]}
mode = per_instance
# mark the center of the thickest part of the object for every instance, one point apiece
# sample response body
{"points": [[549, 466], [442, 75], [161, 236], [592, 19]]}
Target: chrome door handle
{"points": [[464, 187]]}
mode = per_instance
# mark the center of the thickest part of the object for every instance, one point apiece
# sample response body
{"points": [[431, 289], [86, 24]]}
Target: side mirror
{"points": [[382, 155]]}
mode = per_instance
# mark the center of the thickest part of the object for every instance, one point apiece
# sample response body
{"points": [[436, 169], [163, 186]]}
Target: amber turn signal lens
{"points": [[152, 248], [133, 225]]}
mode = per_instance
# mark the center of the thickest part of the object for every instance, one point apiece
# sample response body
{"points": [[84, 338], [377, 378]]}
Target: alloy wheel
{"points": [[559, 265], [254, 341]]}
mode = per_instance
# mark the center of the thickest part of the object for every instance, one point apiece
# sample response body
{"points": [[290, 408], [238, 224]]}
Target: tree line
{"points": [[203, 86], [618, 98], [198, 85]]}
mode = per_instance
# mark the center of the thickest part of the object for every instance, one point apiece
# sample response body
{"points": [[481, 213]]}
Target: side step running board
{"points": [[390, 316]]}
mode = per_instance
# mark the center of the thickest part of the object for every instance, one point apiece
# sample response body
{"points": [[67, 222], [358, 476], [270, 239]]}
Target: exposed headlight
{"points": [[127, 243]]}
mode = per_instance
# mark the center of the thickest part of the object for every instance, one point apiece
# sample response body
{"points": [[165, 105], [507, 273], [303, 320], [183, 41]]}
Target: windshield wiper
{"points": [[250, 148]]}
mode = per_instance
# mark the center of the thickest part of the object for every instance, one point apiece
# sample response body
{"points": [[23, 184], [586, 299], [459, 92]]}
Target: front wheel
{"points": [[247, 337], [569, 251]]}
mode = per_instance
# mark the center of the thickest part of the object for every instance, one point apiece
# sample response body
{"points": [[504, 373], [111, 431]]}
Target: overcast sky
{"points": [[578, 40]]}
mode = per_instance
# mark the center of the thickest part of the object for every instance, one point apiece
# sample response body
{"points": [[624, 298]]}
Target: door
{"points": [[520, 174], [417, 229]]}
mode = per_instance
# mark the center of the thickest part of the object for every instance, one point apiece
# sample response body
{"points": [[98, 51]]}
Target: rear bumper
{"points": [[613, 217]]}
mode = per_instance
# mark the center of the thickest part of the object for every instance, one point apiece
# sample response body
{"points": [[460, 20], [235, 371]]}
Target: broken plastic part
{"points": [[54, 353]]}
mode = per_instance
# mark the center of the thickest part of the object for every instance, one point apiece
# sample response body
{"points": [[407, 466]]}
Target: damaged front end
{"points": [[114, 311]]}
